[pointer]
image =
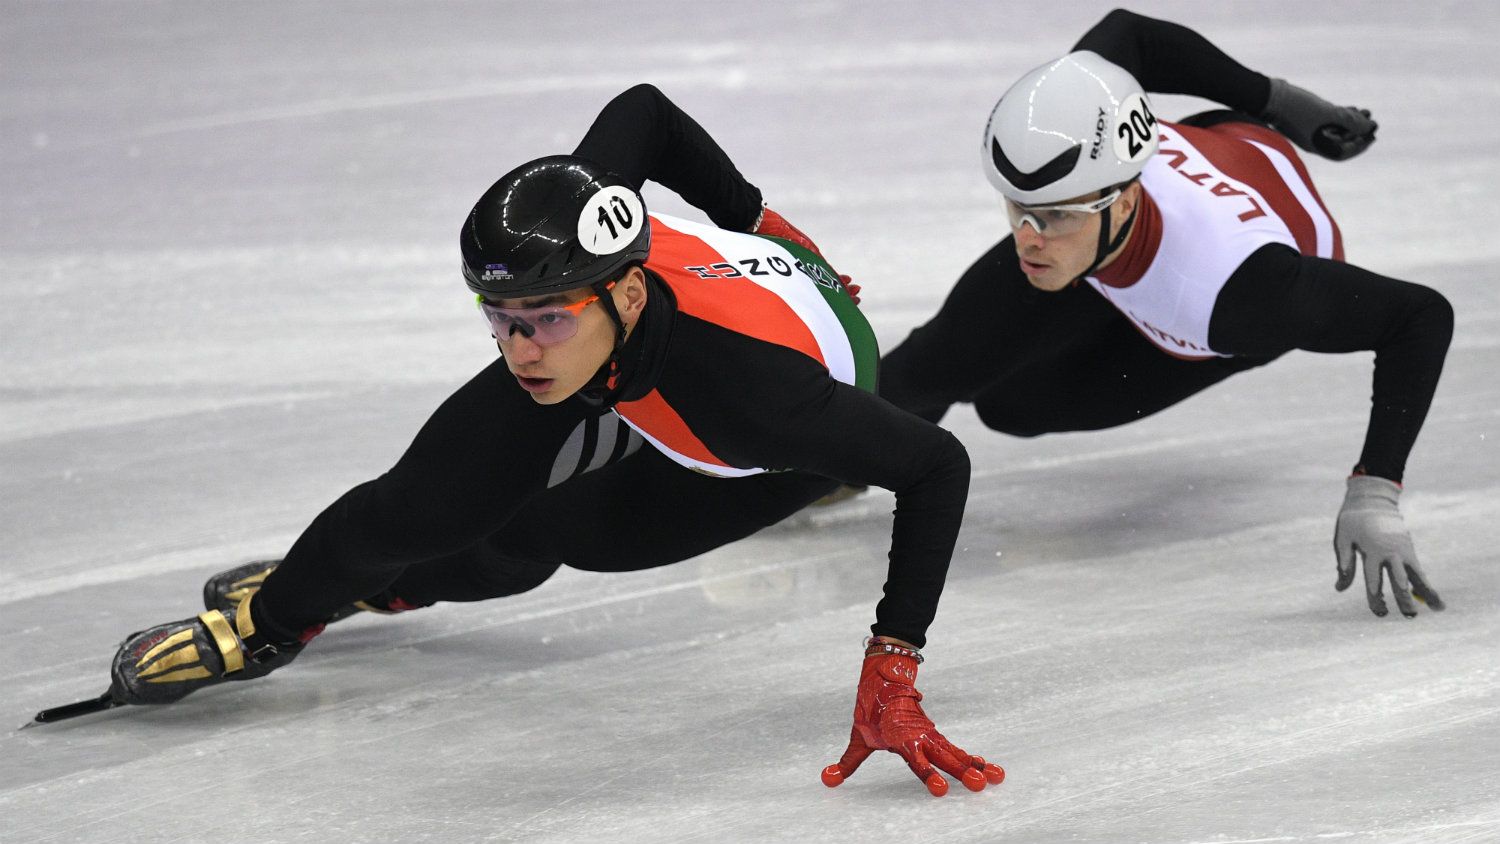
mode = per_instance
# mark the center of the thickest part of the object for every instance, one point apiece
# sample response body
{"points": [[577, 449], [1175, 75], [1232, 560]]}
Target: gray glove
{"points": [[1316, 125], [1370, 524]]}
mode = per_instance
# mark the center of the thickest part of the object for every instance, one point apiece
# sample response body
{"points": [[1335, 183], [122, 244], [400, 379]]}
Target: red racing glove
{"points": [[774, 225], [888, 716]]}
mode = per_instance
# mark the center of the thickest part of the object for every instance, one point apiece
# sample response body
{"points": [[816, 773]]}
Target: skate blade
{"points": [[73, 710]]}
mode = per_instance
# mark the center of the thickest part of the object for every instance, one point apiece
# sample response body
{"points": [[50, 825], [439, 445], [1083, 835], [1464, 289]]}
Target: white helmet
{"points": [[1069, 128]]}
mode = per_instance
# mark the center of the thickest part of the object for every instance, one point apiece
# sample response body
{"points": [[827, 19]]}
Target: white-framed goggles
{"points": [[1057, 220]]}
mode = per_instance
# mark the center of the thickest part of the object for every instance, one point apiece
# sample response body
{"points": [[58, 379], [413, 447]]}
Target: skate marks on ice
{"points": [[1099, 658], [1223, 701], [1478, 831]]}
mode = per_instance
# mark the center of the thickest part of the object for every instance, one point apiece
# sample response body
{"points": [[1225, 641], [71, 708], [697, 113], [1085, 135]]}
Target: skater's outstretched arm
{"points": [[1169, 58], [1280, 300]]}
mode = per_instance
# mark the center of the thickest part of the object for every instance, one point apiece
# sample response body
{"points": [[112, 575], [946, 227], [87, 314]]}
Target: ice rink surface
{"points": [[229, 291]]}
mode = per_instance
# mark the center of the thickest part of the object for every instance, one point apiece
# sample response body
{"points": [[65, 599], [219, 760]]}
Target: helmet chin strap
{"points": [[608, 303], [599, 385], [1106, 244]]}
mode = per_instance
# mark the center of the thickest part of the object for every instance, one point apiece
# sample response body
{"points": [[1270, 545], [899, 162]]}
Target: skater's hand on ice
{"points": [[888, 716], [1370, 525]]}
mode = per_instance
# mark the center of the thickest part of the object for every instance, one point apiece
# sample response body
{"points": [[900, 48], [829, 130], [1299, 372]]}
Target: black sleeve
{"points": [[786, 412], [461, 478], [1171, 59], [1279, 300], [859, 438], [644, 136]]}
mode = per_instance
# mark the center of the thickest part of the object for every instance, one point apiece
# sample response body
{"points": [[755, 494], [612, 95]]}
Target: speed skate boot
{"points": [[225, 590], [168, 662]]}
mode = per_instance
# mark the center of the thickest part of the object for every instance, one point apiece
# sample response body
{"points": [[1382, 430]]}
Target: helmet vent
{"points": [[1041, 177]]}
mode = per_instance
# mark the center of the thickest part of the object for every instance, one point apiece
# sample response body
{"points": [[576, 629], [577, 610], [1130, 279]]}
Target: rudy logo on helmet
{"points": [[1036, 134], [1034, 147]]}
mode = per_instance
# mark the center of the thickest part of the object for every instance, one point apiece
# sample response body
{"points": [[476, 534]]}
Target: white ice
{"points": [[229, 290]]}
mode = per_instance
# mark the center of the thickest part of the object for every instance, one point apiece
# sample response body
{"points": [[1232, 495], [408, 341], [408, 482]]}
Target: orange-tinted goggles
{"points": [[547, 325]]}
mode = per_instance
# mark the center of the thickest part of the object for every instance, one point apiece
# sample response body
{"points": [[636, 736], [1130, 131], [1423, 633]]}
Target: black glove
{"points": [[1316, 125]]}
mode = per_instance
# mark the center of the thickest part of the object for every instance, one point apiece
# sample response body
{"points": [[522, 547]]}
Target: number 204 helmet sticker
{"points": [[1073, 126], [1135, 130]]}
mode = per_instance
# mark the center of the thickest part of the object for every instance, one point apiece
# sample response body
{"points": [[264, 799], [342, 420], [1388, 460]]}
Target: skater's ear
{"points": [[630, 295], [1130, 199]]}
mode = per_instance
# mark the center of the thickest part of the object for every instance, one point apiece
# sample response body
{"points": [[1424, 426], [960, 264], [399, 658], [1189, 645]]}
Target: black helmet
{"points": [[556, 223]]}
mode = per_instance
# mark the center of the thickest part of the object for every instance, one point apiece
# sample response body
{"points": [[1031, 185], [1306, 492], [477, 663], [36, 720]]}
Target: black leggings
{"points": [[1034, 362], [642, 512], [496, 492]]}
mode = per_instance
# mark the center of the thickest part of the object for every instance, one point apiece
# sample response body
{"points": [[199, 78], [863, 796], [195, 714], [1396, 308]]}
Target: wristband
{"points": [[875, 646]]}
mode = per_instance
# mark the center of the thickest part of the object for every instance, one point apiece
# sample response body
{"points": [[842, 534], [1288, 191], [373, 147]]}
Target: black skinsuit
{"points": [[475, 509], [1035, 362]]}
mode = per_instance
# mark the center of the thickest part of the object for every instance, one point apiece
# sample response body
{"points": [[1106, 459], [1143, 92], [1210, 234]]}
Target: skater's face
{"points": [[1052, 258], [552, 370]]}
